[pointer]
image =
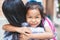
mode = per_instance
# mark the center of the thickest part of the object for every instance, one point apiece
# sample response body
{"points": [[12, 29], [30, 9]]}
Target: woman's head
{"points": [[14, 10], [34, 13], [12, 6]]}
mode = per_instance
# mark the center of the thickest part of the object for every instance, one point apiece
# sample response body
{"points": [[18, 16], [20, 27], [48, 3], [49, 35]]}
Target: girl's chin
{"points": [[33, 26]]}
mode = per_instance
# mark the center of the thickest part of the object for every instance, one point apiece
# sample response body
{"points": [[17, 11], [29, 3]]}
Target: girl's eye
{"points": [[37, 17], [29, 17]]}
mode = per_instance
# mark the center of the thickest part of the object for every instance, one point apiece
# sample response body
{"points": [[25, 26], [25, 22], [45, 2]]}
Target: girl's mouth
{"points": [[33, 24]]}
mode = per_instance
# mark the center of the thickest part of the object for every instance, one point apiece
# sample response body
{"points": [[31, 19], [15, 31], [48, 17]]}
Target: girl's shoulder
{"points": [[47, 20]]}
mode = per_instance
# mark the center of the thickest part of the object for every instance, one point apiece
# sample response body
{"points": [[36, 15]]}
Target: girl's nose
{"points": [[33, 20]]}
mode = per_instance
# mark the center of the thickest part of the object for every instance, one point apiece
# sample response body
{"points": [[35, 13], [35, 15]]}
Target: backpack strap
{"points": [[51, 26]]}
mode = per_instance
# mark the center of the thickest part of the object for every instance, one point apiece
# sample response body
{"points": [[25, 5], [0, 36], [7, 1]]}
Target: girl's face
{"points": [[33, 17]]}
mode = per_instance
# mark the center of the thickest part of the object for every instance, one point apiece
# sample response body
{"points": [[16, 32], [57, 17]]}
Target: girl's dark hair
{"points": [[14, 10], [36, 5]]}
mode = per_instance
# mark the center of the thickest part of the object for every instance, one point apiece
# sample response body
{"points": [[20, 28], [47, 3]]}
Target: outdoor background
{"points": [[52, 9]]}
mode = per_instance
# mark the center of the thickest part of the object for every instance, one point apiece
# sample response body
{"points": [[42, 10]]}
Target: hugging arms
{"points": [[34, 20]]}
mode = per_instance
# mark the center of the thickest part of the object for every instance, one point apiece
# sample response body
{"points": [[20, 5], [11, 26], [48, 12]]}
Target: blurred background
{"points": [[51, 9]]}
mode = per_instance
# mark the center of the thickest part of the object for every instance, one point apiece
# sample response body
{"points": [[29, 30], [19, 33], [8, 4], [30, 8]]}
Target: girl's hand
{"points": [[23, 30], [24, 33], [24, 37]]}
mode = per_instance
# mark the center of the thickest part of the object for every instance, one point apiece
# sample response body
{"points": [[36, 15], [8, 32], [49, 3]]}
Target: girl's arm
{"points": [[10, 28], [46, 35]]}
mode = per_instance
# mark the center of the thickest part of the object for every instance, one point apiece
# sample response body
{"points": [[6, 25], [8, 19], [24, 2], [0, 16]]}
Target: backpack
{"points": [[52, 27]]}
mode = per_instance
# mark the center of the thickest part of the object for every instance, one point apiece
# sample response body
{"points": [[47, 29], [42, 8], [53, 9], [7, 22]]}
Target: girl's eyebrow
{"points": [[34, 14], [38, 14]]}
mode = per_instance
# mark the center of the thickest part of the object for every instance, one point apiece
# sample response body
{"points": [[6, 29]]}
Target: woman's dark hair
{"points": [[14, 10], [35, 5]]}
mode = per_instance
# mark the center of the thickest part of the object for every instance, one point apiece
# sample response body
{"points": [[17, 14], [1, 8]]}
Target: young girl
{"points": [[34, 18]]}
